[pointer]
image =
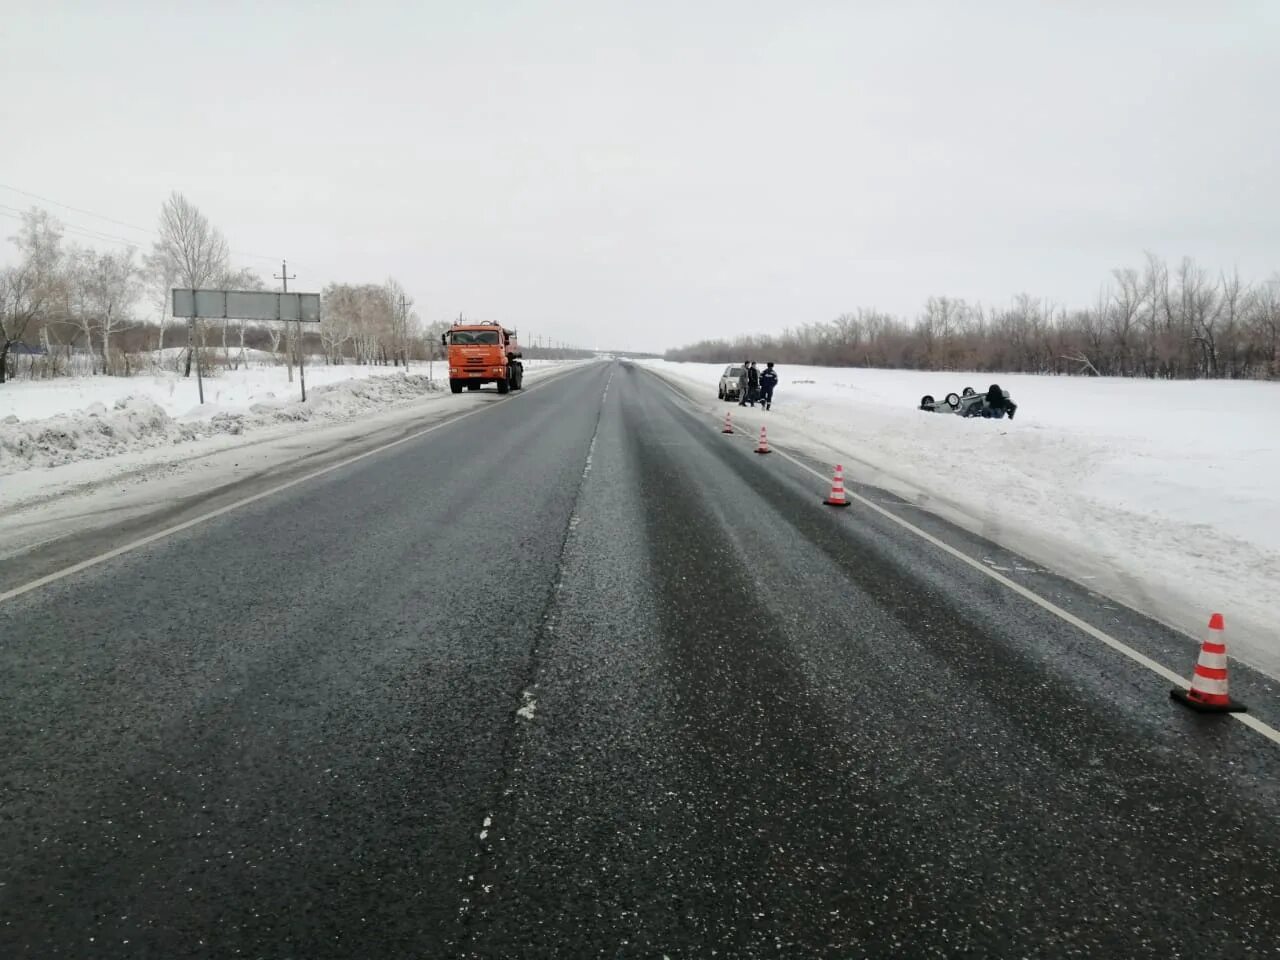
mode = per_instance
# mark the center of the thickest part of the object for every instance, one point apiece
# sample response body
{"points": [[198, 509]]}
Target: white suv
{"points": [[729, 383]]}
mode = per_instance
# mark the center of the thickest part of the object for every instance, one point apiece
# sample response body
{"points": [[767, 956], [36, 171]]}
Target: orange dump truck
{"points": [[483, 353]]}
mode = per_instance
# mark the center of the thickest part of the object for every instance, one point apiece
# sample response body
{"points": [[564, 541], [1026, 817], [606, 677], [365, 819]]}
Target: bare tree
{"points": [[1264, 324], [79, 264], [31, 289], [339, 311], [400, 327], [1231, 307], [1126, 305], [113, 290], [274, 333], [193, 248], [372, 323], [1199, 307], [242, 279], [160, 276]]}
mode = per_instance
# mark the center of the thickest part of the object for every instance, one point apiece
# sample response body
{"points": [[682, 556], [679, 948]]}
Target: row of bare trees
{"points": [[372, 323], [1150, 322], [61, 302]]}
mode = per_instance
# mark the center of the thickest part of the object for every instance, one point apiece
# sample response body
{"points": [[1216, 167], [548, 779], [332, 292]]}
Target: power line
{"points": [[119, 223], [67, 206], [75, 229]]}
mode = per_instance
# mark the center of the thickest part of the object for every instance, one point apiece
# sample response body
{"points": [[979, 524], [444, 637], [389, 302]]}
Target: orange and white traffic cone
{"points": [[837, 498], [1208, 691], [764, 442], [728, 424]]}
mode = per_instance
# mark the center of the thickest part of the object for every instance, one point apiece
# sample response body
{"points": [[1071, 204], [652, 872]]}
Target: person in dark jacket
{"points": [[753, 384], [998, 404], [768, 380]]}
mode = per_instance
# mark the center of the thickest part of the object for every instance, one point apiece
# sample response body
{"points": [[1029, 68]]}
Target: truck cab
{"points": [[481, 353]]}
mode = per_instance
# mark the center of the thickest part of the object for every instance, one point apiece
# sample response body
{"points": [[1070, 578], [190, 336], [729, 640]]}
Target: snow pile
{"points": [[1161, 494], [179, 396], [225, 390], [138, 422]]}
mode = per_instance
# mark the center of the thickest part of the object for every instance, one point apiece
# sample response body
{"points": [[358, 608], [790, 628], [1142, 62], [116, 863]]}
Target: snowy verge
{"points": [[139, 422], [1159, 494], [51, 423], [136, 440], [257, 381]]}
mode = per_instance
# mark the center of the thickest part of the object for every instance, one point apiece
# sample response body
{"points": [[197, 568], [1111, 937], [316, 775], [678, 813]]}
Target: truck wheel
{"points": [[518, 383], [504, 385], [455, 385]]}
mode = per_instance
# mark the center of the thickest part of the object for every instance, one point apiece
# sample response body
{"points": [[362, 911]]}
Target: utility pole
{"points": [[404, 330], [296, 336]]}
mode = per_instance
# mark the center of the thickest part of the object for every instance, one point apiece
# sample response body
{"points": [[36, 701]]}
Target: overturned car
{"points": [[994, 404]]}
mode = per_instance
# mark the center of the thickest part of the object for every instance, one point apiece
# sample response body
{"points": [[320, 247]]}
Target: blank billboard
{"points": [[246, 305]]}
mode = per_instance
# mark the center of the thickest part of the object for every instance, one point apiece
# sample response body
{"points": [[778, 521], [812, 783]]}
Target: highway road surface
{"points": [[576, 675]]}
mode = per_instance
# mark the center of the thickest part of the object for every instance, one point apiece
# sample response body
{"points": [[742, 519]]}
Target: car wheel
{"points": [[967, 392], [926, 400], [953, 400], [720, 394]]}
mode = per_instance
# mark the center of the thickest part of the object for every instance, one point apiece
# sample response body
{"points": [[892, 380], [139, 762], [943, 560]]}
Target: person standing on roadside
{"points": [[743, 383], [753, 384], [768, 380]]}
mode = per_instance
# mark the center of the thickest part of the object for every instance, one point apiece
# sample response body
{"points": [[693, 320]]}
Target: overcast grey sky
{"points": [[639, 175]]}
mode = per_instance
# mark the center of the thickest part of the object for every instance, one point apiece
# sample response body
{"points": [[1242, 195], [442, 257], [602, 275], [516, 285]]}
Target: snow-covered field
{"points": [[1161, 494]]}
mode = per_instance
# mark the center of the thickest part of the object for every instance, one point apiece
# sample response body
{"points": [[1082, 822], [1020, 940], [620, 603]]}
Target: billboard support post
{"points": [[195, 330], [193, 345], [243, 305], [302, 367]]}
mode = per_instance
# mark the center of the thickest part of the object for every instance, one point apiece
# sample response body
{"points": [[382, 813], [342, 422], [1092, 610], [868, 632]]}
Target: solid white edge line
{"points": [[262, 495], [1141, 658]]}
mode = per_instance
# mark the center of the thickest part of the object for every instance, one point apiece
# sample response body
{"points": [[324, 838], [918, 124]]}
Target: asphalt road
{"points": [[578, 676]]}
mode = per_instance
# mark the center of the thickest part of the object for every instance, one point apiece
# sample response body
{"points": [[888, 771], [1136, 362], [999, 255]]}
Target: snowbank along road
{"points": [[578, 675]]}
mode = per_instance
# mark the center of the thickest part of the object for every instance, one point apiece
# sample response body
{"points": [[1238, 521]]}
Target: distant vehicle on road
{"points": [[995, 403], [730, 383], [482, 353]]}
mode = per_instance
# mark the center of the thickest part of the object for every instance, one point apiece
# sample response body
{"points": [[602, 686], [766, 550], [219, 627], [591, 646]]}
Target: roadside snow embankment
{"points": [[1162, 494], [140, 421]]}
